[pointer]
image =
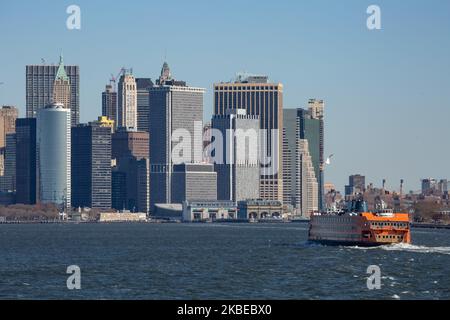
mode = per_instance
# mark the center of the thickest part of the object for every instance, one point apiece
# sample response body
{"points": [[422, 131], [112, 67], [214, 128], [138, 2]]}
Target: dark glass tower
{"points": [[109, 104], [26, 162], [143, 85], [91, 166]]}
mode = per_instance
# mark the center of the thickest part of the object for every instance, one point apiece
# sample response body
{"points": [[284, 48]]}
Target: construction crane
{"points": [[114, 79]]}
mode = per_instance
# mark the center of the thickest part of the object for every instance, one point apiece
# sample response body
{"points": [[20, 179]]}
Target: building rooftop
{"points": [[251, 78], [61, 73]]}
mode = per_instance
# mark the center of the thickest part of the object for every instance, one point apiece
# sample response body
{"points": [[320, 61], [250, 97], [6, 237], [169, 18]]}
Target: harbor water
{"points": [[213, 261]]}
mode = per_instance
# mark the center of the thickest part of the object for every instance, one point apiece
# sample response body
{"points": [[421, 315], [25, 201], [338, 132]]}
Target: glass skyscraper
{"points": [[91, 166], [54, 155], [26, 161]]}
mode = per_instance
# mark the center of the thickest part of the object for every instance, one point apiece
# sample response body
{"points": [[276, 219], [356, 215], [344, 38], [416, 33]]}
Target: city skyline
{"points": [[225, 157], [384, 83]]}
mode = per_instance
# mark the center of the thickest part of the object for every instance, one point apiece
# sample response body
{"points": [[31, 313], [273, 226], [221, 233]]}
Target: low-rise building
{"points": [[195, 211], [260, 209]]}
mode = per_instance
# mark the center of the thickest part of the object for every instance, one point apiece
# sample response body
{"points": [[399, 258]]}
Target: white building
{"points": [[54, 153], [309, 185], [127, 102]]}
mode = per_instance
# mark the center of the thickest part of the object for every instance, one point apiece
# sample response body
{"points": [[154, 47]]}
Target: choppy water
{"points": [[213, 261]]}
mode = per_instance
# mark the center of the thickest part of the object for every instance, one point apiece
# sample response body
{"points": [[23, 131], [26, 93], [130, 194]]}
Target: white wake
{"points": [[417, 249], [409, 248]]}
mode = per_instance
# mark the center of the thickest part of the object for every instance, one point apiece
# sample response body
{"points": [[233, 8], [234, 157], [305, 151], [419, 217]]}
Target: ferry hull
{"points": [[347, 243], [364, 229]]}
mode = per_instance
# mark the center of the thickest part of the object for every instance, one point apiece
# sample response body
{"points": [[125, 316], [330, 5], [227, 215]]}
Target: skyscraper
{"points": [[8, 116], [118, 189], [303, 158], [316, 109], [263, 99], [26, 161], [61, 86], [130, 143], [127, 101], [309, 187], [291, 158], [8, 180], [40, 82], [176, 109], [143, 85], [130, 184], [312, 129], [109, 104], [54, 155], [130, 177], [143, 185], [91, 166], [237, 163]]}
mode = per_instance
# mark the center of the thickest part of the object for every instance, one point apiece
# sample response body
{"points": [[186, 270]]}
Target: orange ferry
{"points": [[359, 227]]}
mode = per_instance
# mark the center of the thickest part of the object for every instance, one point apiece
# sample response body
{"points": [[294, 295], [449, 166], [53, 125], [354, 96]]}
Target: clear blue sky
{"points": [[387, 92]]}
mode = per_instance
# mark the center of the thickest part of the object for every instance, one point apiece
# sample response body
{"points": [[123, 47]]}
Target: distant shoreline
{"points": [[413, 225]]}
